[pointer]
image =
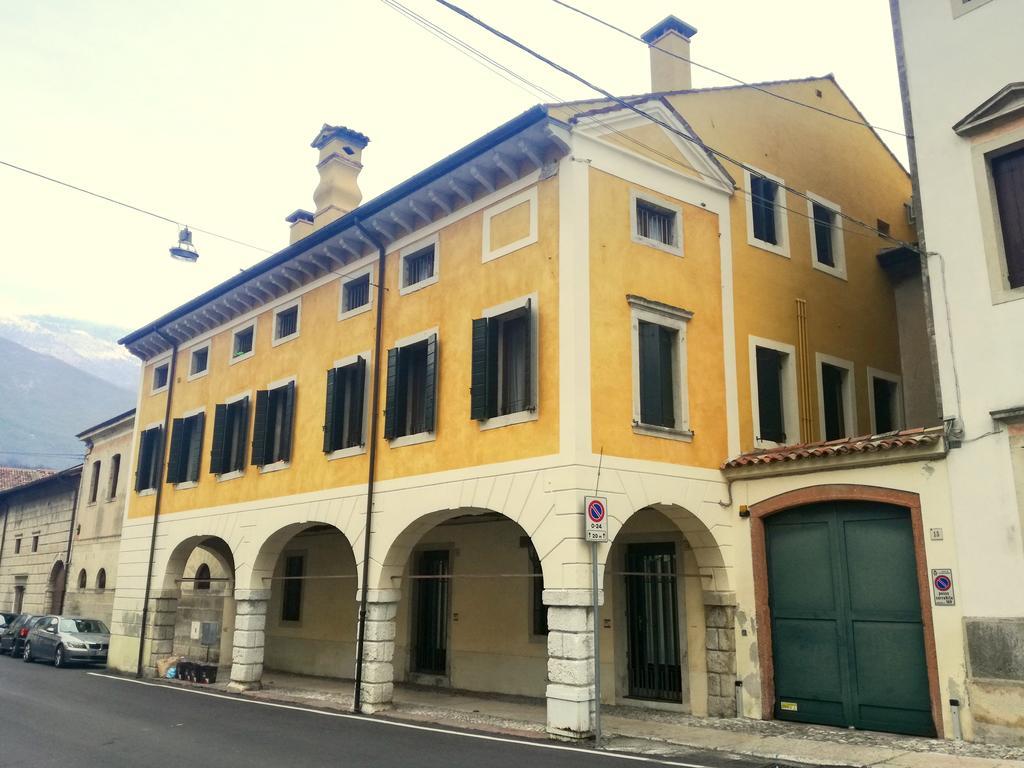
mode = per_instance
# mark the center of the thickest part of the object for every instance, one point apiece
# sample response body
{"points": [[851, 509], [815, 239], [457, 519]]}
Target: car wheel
{"points": [[26, 654], [58, 657]]}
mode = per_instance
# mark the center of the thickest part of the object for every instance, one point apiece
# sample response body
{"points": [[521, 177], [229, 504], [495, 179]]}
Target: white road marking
{"points": [[411, 726]]}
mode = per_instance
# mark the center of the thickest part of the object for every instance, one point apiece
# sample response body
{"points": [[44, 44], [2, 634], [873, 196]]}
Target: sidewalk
{"points": [[653, 732]]}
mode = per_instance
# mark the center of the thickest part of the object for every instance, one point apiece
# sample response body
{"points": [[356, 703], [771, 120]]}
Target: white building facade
{"points": [[961, 68]]}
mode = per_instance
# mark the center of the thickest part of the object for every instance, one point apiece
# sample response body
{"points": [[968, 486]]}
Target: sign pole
{"points": [[597, 649]]}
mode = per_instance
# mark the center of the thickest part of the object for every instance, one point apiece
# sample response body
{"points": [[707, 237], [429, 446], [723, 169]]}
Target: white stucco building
{"points": [[961, 68]]}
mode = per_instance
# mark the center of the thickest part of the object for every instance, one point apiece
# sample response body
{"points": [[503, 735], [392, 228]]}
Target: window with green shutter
{"points": [[824, 228], [230, 433], [502, 372], [343, 422], [147, 472], [657, 374], [763, 194], [272, 425], [186, 444], [411, 406], [771, 415]]}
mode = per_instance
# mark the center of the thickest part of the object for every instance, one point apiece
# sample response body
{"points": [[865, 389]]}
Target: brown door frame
{"points": [[830, 493]]}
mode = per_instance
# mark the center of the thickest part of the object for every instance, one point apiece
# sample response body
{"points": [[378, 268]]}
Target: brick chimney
{"points": [[341, 150], [670, 36]]}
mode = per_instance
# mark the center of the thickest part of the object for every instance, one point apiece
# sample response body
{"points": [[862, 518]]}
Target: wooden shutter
{"points": [[287, 420], [391, 401], [259, 428], [175, 463], [479, 379], [144, 468], [769, 395], [331, 410], [195, 448], [1008, 179], [220, 423], [667, 376], [531, 396], [650, 374], [430, 388], [356, 382], [823, 222]]}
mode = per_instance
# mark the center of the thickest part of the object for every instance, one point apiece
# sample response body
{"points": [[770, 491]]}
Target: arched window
{"points": [[101, 579], [81, 579], [202, 577]]}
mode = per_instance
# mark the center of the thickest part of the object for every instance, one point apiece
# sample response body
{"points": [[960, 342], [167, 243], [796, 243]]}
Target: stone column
{"points": [[720, 649], [378, 680], [570, 690], [163, 611], [249, 636]]}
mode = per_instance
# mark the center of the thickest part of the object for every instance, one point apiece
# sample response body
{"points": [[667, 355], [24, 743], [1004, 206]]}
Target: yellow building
{"points": [[584, 300]]}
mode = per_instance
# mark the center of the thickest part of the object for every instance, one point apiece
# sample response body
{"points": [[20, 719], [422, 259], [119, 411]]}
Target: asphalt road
{"points": [[70, 718]]}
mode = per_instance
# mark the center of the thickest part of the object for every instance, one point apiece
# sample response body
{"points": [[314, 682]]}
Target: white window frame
{"points": [[838, 239], [961, 7], [193, 483], [160, 469], [781, 215], [163, 362], [191, 356], [676, 319], [849, 394], [636, 196], [236, 473], [892, 378], [520, 417], [790, 397], [234, 332], [356, 450], [344, 314], [527, 196], [412, 250], [277, 466], [982, 154], [421, 437], [275, 339]]}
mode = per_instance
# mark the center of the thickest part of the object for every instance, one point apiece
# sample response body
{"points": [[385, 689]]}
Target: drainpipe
{"points": [[3, 534], [156, 501], [71, 537], [374, 424]]}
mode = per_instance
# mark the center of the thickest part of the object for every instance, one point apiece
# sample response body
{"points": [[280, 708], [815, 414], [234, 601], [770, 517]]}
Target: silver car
{"points": [[63, 639]]}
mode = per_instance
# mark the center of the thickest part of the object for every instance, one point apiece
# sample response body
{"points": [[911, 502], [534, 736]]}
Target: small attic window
{"points": [[348, 150]]}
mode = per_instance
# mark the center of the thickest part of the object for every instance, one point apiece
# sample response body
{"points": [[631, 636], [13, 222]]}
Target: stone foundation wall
{"points": [[720, 648]]}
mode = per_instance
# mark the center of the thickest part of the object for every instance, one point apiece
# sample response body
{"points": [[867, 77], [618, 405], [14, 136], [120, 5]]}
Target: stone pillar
{"points": [[163, 611], [570, 690], [720, 649], [378, 680], [250, 633]]}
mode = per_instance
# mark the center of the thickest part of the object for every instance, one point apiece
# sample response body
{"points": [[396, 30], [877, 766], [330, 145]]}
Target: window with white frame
{"points": [[273, 424], [355, 294], [503, 362], [837, 402], [199, 361], [161, 377], [115, 472], [94, 482], [418, 266], [885, 401], [660, 396], [773, 392], [657, 223], [243, 343], [1007, 171], [186, 445], [147, 470], [767, 223], [286, 323], [230, 433], [411, 403], [344, 412], [827, 248]]}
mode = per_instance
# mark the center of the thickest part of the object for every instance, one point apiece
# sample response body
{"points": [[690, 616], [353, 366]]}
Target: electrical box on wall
{"points": [[194, 630], [210, 633]]}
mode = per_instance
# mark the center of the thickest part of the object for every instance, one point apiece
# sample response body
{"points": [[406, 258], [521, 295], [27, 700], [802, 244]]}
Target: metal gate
{"points": [[652, 618], [431, 605], [847, 634]]}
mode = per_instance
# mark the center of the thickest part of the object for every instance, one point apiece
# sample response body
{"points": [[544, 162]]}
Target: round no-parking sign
{"points": [[942, 586], [595, 518]]}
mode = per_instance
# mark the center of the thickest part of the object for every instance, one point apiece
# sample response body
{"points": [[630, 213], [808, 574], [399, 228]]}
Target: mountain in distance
{"points": [[45, 401], [88, 346]]}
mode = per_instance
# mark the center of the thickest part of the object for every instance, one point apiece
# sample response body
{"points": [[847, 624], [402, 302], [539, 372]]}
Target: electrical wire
{"points": [[129, 206], [671, 128], [727, 76]]}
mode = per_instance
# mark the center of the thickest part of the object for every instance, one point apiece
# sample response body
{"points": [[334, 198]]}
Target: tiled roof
{"points": [[11, 477], [889, 441]]}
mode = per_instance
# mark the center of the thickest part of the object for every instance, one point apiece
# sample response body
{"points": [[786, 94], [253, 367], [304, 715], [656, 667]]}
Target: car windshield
{"points": [[83, 625]]}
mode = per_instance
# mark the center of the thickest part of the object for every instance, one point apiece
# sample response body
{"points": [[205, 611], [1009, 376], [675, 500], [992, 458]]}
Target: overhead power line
{"points": [[652, 118], [726, 75], [129, 206]]}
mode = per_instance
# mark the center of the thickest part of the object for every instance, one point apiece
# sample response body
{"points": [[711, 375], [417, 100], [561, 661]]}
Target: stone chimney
{"points": [[670, 36], [341, 150]]}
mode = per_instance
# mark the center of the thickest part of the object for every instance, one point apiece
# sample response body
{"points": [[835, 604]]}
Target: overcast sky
{"points": [[203, 111]]}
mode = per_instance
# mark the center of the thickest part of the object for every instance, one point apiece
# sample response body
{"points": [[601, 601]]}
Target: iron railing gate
{"points": [[432, 606], [652, 617]]}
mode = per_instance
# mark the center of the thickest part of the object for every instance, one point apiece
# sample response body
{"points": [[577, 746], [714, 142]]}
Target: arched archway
{"points": [[668, 631], [101, 579], [55, 584], [82, 579]]}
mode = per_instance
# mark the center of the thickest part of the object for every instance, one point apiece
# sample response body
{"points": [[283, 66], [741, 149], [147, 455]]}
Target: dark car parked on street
{"points": [[63, 639], [6, 618], [12, 636]]}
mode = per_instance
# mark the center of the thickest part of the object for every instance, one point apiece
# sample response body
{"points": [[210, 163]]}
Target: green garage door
{"points": [[847, 636]]}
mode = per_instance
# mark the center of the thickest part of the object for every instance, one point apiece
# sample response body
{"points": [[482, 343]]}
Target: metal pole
{"points": [[597, 648]]}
